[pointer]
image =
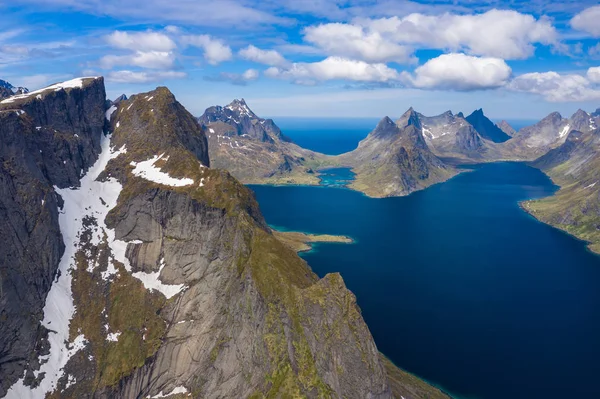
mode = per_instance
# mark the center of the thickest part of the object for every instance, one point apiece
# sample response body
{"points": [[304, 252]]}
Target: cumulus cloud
{"points": [[141, 41], [267, 57], [215, 51], [496, 33], [357, 42], [460, 72], [593, 74], [143, 59], [126, 76], [235, 78], [334, 68], [587, 21], [555, 87]]}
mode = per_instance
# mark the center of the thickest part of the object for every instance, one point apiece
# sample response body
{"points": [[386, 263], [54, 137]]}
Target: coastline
{"points": [[303, 242]]}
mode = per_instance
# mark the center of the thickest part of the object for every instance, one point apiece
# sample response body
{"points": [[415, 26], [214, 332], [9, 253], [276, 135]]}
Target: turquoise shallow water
{"points": [[458, 285]]}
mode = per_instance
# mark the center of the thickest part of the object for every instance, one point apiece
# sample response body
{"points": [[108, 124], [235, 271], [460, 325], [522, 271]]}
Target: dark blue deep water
{"points": [[331, 136], [458, 285]]}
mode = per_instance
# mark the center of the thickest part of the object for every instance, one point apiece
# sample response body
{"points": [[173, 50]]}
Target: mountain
{"points": [[136, 269], [452, 135], [7, 90], [507, 128], [254, 149], [49, 140], [394, 159], [574, 166], [486, 128]]}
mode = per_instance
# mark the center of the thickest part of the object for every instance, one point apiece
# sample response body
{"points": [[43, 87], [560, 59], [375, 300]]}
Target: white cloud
{"points": [[143, 77], [215, 51], [235, 78], [357, 42], [496, 33], [250, 74], [460, 72], [143, 59], [555, 87], [141, 41], [593, 74], [333, 68], [267, 57], [587, 21]]}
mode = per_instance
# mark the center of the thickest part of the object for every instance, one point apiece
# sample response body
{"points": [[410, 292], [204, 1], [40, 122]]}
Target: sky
{"points": [[317, 58]]}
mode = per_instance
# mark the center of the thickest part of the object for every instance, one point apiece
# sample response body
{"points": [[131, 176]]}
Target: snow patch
{"points": [[110, 111], [152, 282], [564, 132], [118, 124], [148, 171], [177, 390], [86, 200], [113, 337], [210, 129], [69, 84], [591, 185], [150, 98]]}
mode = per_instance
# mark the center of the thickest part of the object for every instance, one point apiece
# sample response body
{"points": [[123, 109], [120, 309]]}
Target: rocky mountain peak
{"points": [[409, 118], [460, 115], [554, 118], [237, 119], [154, 123], [486, 128]]}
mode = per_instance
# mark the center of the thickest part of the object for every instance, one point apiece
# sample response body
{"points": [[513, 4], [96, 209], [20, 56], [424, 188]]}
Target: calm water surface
{"points": [[458, 285]]}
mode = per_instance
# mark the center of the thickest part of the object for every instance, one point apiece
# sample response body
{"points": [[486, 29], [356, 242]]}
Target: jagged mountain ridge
{"points": [[254, 149], [394, 159], [177, 284]]}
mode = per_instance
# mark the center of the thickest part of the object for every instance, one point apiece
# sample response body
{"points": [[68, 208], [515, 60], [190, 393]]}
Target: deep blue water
{"points": [[458, 285], [330, 136]]}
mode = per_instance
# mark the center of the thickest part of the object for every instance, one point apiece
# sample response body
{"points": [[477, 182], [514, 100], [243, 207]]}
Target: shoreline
{"points": [[304, 242]]}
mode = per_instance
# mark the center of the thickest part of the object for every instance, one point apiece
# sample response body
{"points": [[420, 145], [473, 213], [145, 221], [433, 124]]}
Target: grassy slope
{"points": [[575, 208], [300, 242]]}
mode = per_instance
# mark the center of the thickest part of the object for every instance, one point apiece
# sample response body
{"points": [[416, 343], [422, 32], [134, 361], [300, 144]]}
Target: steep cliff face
{"points": [[49, 138], [254, 150], [486, 128], [394, 159], [171, 283]]}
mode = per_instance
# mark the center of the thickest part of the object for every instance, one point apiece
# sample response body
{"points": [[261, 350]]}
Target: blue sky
{"points": [[342, 58]]}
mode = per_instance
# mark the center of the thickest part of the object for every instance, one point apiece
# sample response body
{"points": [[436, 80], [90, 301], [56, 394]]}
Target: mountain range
{"points": [[134, 268]]}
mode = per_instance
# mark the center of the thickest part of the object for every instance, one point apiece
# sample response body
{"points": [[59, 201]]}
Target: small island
{"points": [[301, 242]]}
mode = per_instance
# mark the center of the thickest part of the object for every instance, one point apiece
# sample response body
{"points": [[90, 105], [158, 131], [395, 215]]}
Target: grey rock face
{"points": [[507, 128], [468, 141], [240, 120], [47, 141], [486, 128]]}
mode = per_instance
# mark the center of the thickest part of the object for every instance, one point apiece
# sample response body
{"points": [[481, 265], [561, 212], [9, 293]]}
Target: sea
{"points": [[457, 284]]}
